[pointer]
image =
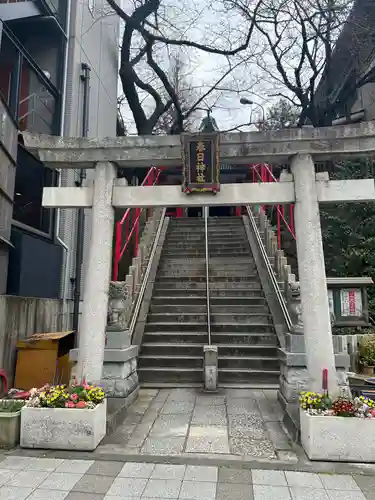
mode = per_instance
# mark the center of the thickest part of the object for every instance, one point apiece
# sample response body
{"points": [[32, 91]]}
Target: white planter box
{"points": [[338, 439], [63, 428]]}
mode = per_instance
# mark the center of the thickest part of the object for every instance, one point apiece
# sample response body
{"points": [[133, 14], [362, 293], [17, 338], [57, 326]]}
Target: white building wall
{"points": [[94, 40]]}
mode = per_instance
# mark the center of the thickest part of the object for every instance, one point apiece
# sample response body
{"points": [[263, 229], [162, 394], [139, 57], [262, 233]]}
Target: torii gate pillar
{"points": [[312, 276], [96, 286]]}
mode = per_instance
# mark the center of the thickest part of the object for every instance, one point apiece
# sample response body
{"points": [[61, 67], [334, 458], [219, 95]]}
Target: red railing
{"points": [[131, 218], [263, 173]]}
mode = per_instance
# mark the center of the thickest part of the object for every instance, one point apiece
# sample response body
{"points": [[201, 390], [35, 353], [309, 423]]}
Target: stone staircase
{"points": [[176, 329]]}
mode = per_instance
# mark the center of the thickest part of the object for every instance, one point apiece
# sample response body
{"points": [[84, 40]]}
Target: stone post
{"points": [[210, 367], [96, 286], [312, 276]]}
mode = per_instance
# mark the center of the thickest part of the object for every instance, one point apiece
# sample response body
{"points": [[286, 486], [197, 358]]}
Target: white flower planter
{"points": [[338, 439], [63, 428]]}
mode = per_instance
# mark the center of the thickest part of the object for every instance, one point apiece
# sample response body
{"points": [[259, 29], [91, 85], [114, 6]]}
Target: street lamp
{"points": [[247, 102]]}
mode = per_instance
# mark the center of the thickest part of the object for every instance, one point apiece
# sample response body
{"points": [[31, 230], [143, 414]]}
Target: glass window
{"points": [[8, 61], [37, 105], [31, 177]]}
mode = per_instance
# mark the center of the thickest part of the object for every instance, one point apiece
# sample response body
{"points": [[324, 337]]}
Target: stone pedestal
{"points": [[210, 368]]}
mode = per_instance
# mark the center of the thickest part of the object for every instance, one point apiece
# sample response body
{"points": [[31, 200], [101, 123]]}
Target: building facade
{"points": [[58, 76]]}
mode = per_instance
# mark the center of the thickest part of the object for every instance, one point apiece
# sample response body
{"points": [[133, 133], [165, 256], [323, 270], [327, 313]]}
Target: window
{"points": [[31, 177], [92, 6]]}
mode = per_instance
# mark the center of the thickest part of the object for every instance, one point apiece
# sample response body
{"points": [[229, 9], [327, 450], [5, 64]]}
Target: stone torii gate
{"points": [[298, 147]]}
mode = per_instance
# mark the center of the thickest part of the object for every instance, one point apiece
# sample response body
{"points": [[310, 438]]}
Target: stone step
{"points": [[216, 253], [253, 362], [199, 326], [214, 272], [200, 237], [164, 348], [217, 319], [171, 360], [196, 349], [170, 374], [222, 284], [185, 276], [176, 337], [221, 293], [172, 301], [248, 338], [248, 375], [172, 308]]}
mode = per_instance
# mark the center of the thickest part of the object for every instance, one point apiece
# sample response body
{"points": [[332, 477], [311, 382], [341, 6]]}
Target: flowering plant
{"points": [[321, 404], [78, 395]]}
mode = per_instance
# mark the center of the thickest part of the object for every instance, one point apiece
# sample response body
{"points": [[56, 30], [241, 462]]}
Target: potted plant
{"points": [[366, 352], [10, 416], [64, 417], [342, 429]]}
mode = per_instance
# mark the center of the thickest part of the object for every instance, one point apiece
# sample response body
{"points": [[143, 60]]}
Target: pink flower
{"points": [[74, 397], [81, 404], [70, 404]]}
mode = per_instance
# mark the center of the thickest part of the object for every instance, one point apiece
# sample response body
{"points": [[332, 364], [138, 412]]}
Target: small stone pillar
{"points": [[210, 368], [95, 296], [312, 276]]}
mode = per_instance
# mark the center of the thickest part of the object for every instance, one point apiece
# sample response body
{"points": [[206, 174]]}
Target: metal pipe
{"points": [[85, 77], [62, 126], [146, 275], [206, 211], [271, 273]]}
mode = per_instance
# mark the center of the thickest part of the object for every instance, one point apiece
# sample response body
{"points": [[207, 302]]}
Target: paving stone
{"points": [[345, 495], [262, 492], [303, 479], [61, 481], [173, 407], [269, 477], [16, 493], [43, 464], [213, 415], [338, 482], [75, 466], [300, 493], [182, 395], [194, 490], [163, 446], [226, 491], [271, 411], [28, 478], [137, 470], [104, 468], [210, 400], [75, 495], [6, 474], [278, 437], [247, 426], [93, 484], [125, 486], [365, 482], [257, 448], [151, 415], [207, 439], [16, 463], [369, 494], [287, 456], [231, 475], [170, 426], [40, 494], [162, 488], [162, 471], [242, 406], [201, 473]]}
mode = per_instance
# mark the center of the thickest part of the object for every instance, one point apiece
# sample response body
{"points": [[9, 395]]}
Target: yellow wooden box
{"points": [[44, 358]]}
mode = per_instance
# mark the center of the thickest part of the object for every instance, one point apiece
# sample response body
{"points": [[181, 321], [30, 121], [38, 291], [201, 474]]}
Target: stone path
{"points": [[184, 422], [32, 478]]}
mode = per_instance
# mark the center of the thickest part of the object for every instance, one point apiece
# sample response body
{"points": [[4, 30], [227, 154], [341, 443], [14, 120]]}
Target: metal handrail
{"points": [[146, 275], [206, 211], [270, 270]]}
